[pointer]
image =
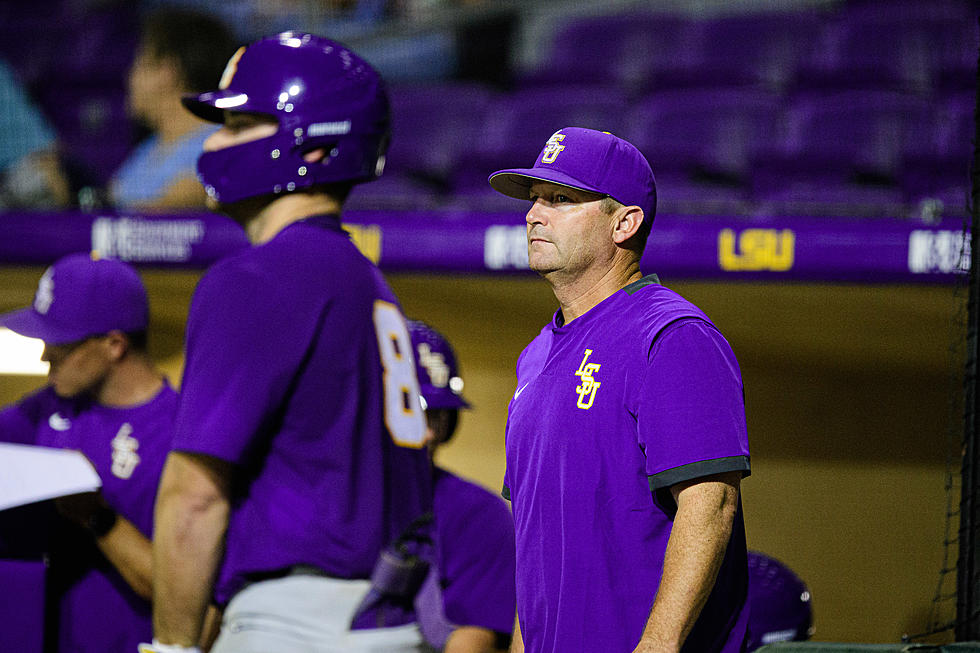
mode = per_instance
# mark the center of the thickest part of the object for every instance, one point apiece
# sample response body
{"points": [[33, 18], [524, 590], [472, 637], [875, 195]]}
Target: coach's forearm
{"points": [[190, 523], [695, 550]]}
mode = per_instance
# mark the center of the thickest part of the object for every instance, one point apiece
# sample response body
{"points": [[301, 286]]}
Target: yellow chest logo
{"points": [[587, 388]]}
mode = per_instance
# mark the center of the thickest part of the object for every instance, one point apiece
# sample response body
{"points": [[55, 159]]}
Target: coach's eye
{"points": [[562, 198]]}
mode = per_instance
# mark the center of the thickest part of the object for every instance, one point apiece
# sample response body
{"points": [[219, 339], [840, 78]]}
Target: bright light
{"points": [[231, 102], [20, 355], [292, 42]]}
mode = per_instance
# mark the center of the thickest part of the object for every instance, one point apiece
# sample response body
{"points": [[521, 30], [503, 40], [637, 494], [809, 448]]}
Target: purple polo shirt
{"points": [[284, 379], [474, 538], [98, 611], [611, 410]]}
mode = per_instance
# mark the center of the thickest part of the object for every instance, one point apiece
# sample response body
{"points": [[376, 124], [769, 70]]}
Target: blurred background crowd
{"points": [[757, 107]]}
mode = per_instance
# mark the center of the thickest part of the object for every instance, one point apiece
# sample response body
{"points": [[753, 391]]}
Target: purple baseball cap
{"points": [[588, 160], [80, 296]]}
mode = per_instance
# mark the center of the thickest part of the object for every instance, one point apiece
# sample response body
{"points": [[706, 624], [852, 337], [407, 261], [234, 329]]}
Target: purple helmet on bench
{"points": [[322, 94], [779, 603]]}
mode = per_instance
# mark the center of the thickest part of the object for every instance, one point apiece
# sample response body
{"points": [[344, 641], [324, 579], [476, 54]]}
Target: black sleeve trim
{"points": [[661, 483], [505, 492]]}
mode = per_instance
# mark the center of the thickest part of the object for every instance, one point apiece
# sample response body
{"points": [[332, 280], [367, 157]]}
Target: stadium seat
{"points": [[757, 49], [432, 124], [518, 124], [889, 45], [711, 131], [582, 52], [867, 132]]}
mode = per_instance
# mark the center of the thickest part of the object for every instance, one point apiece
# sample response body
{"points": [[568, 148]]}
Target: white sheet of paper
{"points": [[29, 474]]}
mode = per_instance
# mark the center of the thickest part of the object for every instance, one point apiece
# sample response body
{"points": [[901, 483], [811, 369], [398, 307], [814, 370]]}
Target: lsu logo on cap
{"points": [[435, 364], [553, 148], [231, 69], [45, 292]]}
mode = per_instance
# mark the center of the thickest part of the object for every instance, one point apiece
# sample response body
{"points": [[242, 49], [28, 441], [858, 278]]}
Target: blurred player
{"points": [[467, 603], [299, 446], [626, 439], [105, 398], [780, 609]]}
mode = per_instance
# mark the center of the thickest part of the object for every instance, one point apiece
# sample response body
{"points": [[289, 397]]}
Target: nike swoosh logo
{"points": [[520, 390], [59, 423]]}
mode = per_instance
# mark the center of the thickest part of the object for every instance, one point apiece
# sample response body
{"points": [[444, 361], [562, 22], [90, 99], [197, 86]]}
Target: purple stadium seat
{"points": [[685, 194], [862, 132], [748, 49], [898, 45], [938, 166], [715, 130], [395, 191], [622, 49], [432, 124], [517, 125], [820, 186], [94, 130]]}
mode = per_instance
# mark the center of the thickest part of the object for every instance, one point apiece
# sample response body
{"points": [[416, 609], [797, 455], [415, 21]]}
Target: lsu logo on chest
{"points": [[124, 456], [588, 385]]}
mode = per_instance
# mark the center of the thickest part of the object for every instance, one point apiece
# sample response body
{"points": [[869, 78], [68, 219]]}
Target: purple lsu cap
{"points": [[588, 160], [79, 297]]}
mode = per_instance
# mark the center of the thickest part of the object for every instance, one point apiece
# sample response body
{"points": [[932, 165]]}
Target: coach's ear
{"points": [[628, 221]]}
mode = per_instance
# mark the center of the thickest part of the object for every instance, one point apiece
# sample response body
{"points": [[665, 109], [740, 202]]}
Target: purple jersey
{"points": [[474, 538], [98, 611], [293, 349], [611, 410]]}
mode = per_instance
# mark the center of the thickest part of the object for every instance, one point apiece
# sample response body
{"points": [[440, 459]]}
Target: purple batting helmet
{"points": [[323, 96], [435, 364], [779, 603]]}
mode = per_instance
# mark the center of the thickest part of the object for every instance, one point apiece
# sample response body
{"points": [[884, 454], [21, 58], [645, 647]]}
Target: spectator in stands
{"points": [[180, 51], [28, 145]]}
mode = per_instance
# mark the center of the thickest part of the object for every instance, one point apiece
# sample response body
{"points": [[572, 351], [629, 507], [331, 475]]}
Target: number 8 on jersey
{"points": [[403, 410]]}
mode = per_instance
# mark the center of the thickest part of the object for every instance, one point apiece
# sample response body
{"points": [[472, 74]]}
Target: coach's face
{"points": [[568, 232]]}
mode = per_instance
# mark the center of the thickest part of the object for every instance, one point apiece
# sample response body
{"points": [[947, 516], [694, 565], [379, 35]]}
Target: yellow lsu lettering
{"points": [[553, 148], [587, 389], [366, 238], [757, 249]]}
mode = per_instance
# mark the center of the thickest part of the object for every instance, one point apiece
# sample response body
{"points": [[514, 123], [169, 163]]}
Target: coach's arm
{"points": [[191, 519], [706, 509]]}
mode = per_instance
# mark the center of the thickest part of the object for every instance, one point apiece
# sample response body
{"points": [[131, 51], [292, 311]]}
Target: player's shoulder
{"points": [[651, 307]]}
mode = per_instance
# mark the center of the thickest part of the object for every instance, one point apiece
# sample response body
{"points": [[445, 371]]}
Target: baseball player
{"points": [[105, 398], [298, 453], [626, 439], [466, 604]]}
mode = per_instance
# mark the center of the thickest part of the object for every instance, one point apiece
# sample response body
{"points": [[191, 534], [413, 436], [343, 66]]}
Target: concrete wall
{"points": [[851, 395]]}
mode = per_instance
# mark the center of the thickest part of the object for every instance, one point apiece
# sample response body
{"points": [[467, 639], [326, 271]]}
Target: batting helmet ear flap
{"points": [[322, 95]]}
